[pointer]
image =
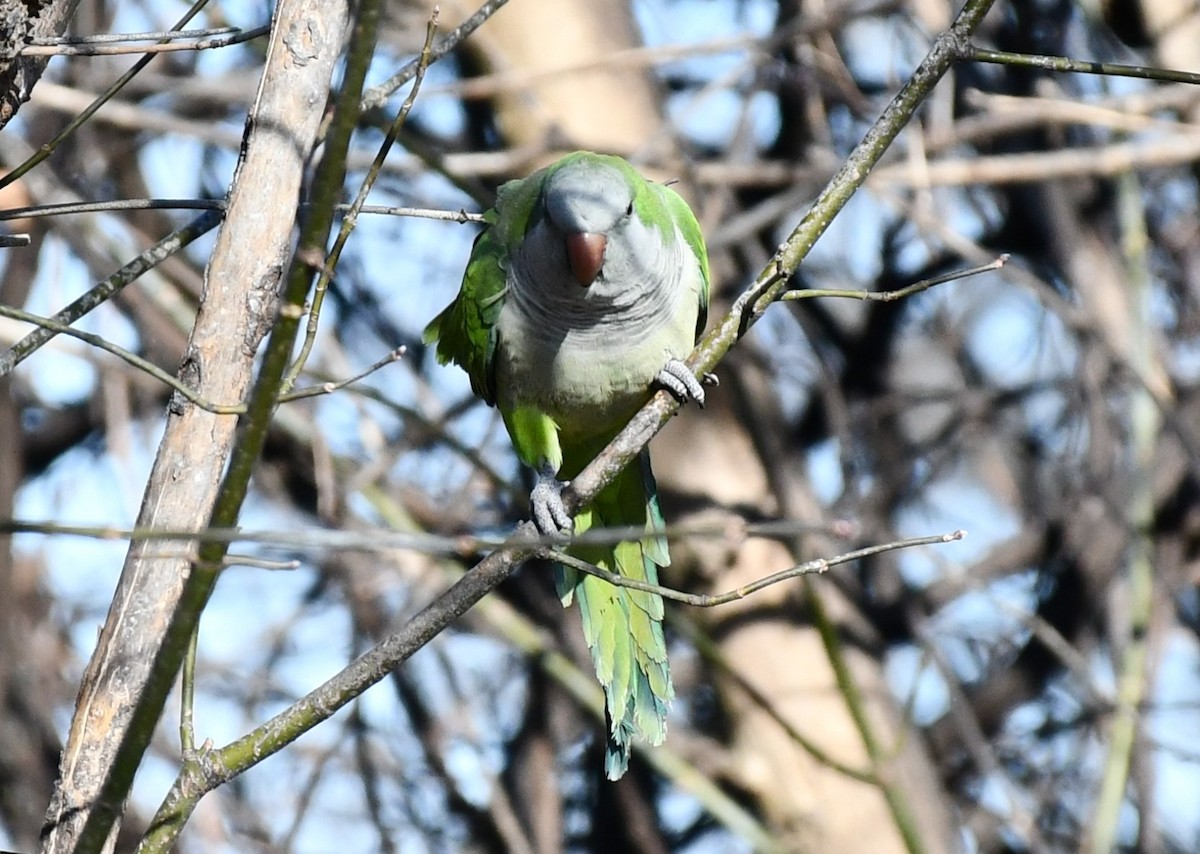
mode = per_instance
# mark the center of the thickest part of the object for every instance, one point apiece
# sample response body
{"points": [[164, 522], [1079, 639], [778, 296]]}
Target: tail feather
{"points": [[623, 627]]}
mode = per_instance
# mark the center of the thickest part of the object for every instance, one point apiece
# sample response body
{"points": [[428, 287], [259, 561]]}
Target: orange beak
{"points": [[585, 254]]}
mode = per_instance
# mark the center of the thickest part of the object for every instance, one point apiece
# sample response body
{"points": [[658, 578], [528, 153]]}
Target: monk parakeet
{"points": [[586, 288]]}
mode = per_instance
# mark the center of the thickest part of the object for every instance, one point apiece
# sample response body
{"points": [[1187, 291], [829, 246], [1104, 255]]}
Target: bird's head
{"points": [[587, 201]]}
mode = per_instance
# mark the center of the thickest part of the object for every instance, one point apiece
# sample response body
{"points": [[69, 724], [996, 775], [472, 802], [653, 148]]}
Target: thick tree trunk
{"points": [[237, 308]]}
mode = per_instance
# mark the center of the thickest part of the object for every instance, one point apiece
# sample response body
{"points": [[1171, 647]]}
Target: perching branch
{"points": [[772, 281]]}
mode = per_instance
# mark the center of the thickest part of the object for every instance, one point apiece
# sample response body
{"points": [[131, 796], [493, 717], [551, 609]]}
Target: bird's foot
{"points": [[549, 513], [678, 379]]}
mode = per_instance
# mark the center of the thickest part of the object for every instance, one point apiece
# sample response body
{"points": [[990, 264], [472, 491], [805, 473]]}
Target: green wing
{"points": [[465, 331]]}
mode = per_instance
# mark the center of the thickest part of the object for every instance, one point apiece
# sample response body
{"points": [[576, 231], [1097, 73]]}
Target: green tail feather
{"points": [[623, 627]]}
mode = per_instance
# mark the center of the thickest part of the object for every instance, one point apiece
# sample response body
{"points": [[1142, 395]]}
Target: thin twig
{"points": [[53, 326], [1078, 66], [255, 562], [351, 218], [49, 148], [424, 213], [187, 690], [375, 97], [65, 208], [147, 260], [336, 385], [899, 293], [707, 600]]}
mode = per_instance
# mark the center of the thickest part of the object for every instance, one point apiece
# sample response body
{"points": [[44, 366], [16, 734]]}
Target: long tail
{"points": [[623, 627]]}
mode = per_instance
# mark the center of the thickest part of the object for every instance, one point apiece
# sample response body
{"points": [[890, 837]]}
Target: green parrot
{"points": [[586, 288]]}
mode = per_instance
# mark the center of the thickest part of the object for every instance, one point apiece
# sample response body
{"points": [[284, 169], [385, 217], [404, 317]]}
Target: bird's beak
{"points": [[585, 254]]}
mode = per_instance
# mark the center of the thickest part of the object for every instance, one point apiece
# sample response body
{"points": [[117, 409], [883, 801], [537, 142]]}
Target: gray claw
{"points": [[677, 378], [549, 513]]}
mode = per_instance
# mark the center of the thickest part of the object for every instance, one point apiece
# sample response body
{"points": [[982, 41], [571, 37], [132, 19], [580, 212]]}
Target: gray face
{"points": [[587, 198], [596, 199]]}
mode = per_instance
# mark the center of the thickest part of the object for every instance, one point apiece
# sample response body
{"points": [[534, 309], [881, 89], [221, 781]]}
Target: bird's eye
{"points": [[629, 210]]}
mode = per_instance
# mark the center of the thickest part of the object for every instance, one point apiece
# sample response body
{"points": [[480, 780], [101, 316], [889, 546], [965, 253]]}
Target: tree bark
{"points": [[18, 74], [237, 308]]}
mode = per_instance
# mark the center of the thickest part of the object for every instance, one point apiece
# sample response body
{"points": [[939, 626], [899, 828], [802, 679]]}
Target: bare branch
{"points": [[129, 272], [705, 600], [899, 293], [97, 47], [159, 597], [1078, 66]]}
